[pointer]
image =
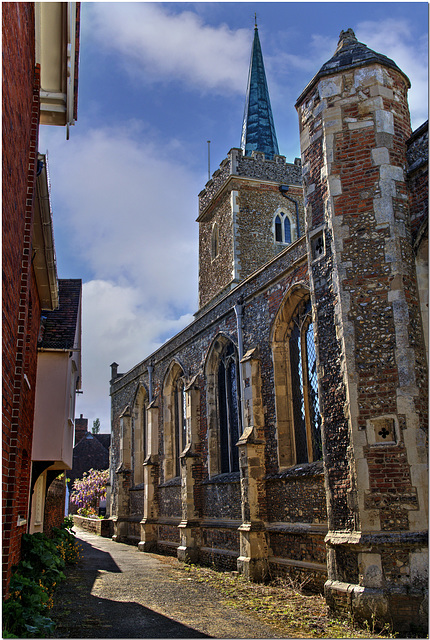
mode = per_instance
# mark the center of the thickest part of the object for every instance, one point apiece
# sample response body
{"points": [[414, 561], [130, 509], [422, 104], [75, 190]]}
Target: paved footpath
{"points": [[118, 592]]}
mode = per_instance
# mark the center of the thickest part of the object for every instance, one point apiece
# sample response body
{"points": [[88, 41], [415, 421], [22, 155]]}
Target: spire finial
{"points": [[255, 16]]}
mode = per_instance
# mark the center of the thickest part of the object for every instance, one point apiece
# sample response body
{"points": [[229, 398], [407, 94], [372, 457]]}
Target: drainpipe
{"points": [[283, 189], [238, 309], [150, 370]]}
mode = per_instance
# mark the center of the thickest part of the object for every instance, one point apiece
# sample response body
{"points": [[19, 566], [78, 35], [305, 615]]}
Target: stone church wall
{"points": [[345, 302], [218, 499]]}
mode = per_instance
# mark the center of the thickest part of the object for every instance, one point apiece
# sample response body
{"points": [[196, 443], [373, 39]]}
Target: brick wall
{"points": [[54, 505], [21, 310]]}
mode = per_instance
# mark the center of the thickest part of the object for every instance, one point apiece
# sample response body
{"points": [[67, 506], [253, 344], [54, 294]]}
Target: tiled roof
{"points": [[350, 53], [88, 454], [103, 438], [58, 328]]}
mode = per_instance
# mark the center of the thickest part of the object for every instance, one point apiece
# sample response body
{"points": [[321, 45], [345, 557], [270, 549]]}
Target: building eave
{"points": [[57, 49], [44, 259]]}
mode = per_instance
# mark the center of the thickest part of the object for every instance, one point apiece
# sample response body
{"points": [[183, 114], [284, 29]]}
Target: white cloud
{"points": [[393, 38], [156, 45], [129, 208], [117, 326], [396, 40]]}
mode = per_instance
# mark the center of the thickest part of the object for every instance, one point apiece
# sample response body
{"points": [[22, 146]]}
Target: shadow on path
{"points": [[78, 614]]}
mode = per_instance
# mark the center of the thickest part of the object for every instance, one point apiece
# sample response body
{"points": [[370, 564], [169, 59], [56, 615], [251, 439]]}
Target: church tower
{"points": [[252, 207]]}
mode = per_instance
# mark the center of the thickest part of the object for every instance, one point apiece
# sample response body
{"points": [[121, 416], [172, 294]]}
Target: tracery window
{"points": [[180, 422], [304, 387], [296, 383], [175, 429], [140, 435], [229, 409], [223, 406], [284, 227]]}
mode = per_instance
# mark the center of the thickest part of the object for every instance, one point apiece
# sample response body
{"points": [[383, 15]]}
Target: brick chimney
{"points": [[81, 428]]}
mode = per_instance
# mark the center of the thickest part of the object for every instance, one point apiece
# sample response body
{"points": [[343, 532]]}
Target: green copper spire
{"points": [[258, 129]]}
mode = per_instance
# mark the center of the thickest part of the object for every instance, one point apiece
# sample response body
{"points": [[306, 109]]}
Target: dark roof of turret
{"points": [[258, 129], [350, 53]]}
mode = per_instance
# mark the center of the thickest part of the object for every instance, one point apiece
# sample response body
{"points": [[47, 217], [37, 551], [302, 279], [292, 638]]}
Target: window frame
{"points": [[171, 441], [286, 420], [139, 434], [214, 241], [284, 215], [221, 459]]}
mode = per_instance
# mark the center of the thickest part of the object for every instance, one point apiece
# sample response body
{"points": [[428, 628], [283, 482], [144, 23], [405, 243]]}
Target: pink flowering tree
{"points": [[89, 490]]}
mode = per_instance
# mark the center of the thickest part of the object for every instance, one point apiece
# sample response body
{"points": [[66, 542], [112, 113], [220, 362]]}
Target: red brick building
{"points": [[29, 272]]}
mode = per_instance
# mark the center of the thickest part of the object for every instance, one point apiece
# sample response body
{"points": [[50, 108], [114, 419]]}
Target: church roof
{"points": [[350, 53], [258, 129]]}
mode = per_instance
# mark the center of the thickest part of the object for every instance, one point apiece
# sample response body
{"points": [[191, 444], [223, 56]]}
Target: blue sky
{"points": [[156, 82]]}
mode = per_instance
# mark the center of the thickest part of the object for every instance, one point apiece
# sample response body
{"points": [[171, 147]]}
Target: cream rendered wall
{"points": [[54, 410]]}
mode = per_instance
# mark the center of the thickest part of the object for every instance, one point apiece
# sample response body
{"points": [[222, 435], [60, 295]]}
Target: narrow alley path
{"points": [[118, 592]]}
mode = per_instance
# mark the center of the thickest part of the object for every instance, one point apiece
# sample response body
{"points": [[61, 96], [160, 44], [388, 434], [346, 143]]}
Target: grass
{"points": [[282, 605]]}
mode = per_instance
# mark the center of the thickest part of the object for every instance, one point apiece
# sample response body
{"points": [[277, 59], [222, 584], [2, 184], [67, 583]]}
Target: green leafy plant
{"points": [[34, 580]]}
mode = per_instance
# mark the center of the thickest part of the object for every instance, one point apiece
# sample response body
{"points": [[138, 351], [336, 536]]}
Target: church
{"points": [[284, 431]]}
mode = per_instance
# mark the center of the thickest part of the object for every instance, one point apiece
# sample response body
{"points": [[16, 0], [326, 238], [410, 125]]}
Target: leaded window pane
{"points": [[287, 229], [297, 394], [315, 415], [278, 229], [229, 410], [304, 386], [180, 424], [144, 434]]}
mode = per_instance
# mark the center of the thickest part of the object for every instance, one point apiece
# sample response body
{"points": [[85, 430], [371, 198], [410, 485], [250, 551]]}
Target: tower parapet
{"points": [[254, 166]]}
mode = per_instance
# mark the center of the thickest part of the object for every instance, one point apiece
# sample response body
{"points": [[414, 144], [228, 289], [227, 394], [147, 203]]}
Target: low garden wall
{"points": [[102, 528]]}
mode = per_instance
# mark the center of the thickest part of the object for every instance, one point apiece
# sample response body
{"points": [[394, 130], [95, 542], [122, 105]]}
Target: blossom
{"points": [[90, 489]]}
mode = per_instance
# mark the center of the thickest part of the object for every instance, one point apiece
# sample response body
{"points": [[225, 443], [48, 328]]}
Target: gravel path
{"points": [[118, 592]]}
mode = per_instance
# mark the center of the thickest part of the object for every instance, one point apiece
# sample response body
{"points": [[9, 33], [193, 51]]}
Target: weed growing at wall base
{"points": [[34, 581]]}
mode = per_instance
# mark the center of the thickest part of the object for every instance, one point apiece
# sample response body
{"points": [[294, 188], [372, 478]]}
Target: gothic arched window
{"points": [[296, 384], [229, 409], [223, 406], [304, 387], [140, 436], [285, 230], [175, 431], [180, 422]]}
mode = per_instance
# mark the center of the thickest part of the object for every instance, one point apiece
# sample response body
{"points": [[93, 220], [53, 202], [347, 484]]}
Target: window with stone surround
{"points": [[223, 406], [175, 431], [140, 435], [284, 227], [180, 422], [296, 384], [215, 241]]}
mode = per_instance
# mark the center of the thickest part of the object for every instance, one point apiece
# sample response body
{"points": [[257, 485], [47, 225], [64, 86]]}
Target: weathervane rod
{"points": [[209, 159]]}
